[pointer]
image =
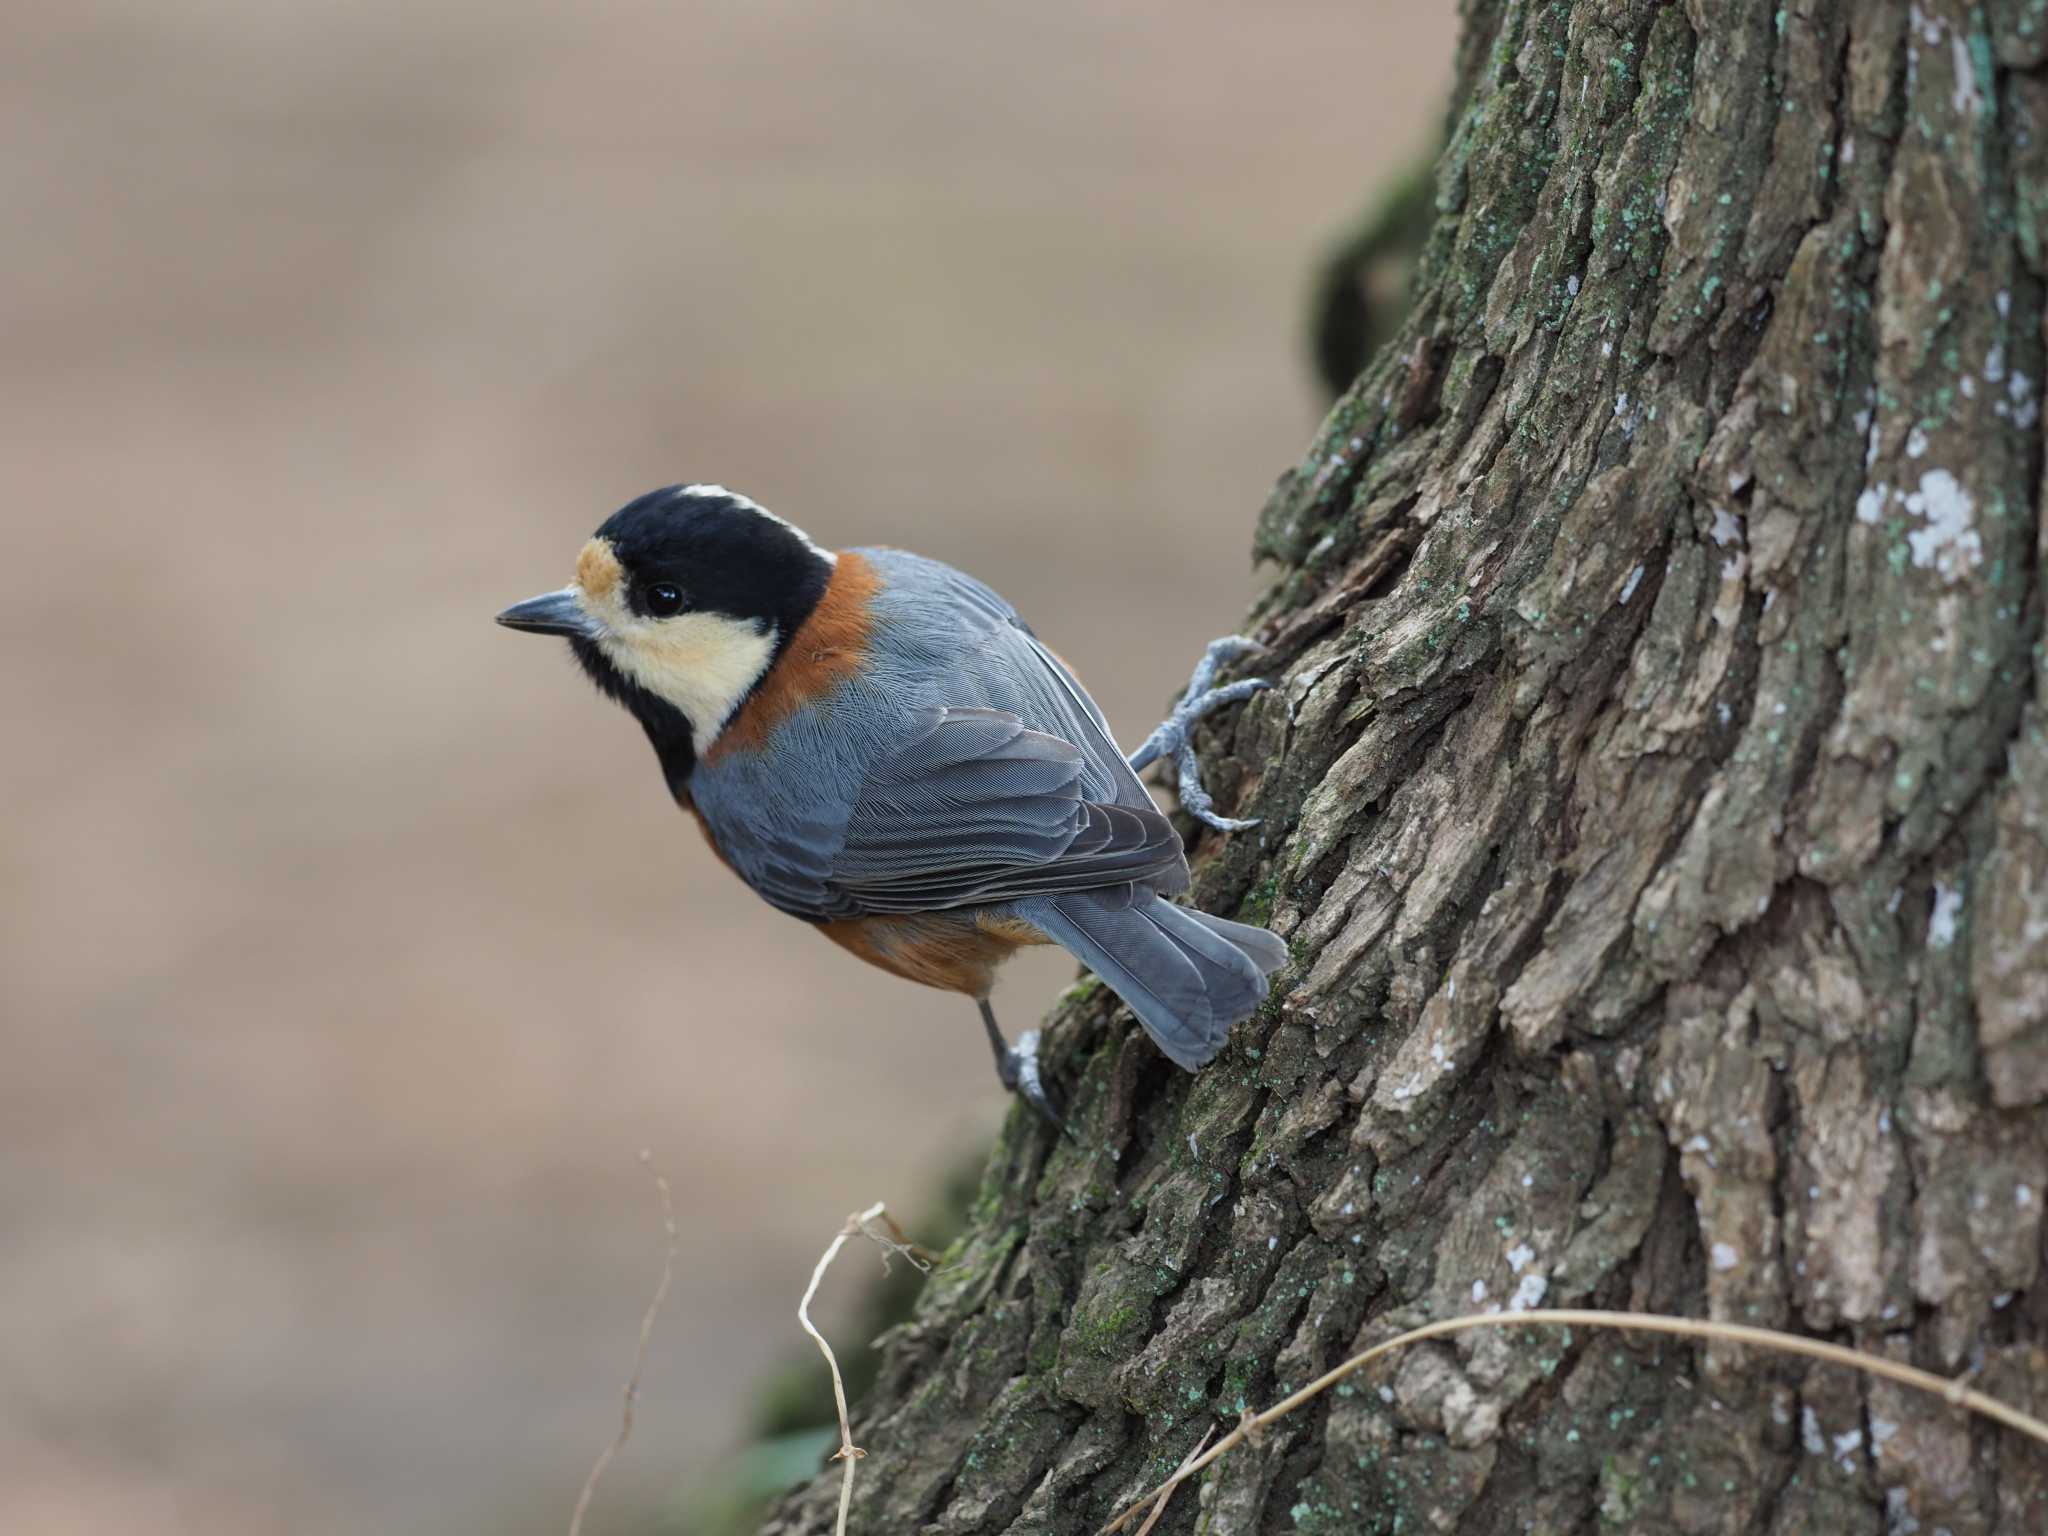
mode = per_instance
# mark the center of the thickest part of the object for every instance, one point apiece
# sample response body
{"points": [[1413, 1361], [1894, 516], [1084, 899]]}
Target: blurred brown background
{"points": [[351, 949]]}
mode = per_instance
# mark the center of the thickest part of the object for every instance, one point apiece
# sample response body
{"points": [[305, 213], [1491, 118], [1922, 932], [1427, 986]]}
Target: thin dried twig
{"points": [[1159, 1504], [879, 1227], [1953, 1392], [668, 1271]]}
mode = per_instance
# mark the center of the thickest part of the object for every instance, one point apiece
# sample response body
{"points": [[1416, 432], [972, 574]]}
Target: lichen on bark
{"points": [[1655, 799]]}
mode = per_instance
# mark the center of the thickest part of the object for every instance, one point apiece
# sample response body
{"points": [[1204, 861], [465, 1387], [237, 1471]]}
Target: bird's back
{"points": [[943, 624], [937, 641]]}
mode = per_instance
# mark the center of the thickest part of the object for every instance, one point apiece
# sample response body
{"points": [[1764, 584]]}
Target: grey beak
{"points": [[552, 613]]}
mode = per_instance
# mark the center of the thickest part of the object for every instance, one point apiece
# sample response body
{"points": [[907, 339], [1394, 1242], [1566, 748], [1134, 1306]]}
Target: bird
{"points": [[878, 744]]}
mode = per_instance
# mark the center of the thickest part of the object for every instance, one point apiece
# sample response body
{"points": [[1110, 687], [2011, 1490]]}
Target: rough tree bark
{"points": [[1656, 801]]}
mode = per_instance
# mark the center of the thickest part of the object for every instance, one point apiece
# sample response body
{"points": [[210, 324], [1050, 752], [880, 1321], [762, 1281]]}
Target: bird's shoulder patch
{"points": [[828, 648]]}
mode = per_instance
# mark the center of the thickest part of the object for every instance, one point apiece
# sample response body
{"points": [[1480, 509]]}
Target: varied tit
{"points": [[877, 744]]}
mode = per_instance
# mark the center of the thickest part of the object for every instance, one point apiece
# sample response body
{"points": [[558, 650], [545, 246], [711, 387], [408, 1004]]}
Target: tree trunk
{"points": [[1656, 801]]}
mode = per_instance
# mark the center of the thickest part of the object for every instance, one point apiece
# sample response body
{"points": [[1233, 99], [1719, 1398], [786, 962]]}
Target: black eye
{"points": [[664, 600]]}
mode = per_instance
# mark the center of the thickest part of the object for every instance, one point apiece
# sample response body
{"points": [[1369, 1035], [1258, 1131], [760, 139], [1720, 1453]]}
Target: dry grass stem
{"points": [[879, 1227], [1949, 1391], [668, 1271]]}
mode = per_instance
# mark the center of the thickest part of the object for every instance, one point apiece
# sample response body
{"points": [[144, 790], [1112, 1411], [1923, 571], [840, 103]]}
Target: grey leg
{"points": [[1172, 739], [1018, 1067]]}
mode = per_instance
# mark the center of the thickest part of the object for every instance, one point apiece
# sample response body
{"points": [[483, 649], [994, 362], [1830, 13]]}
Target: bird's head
{"points": [[682, 601]]}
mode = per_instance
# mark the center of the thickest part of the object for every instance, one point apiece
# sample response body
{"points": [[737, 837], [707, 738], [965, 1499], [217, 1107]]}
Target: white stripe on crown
{"points": [[748, 504]]}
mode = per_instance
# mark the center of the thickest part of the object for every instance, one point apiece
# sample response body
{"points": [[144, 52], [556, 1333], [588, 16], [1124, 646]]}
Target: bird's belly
{"points": [[954, 951]]}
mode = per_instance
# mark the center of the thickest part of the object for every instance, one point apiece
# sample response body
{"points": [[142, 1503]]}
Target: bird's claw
{"points": [[1174, 736], [1017, 1066]]}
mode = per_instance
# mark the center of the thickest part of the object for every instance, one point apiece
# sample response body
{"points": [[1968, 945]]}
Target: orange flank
{"points": [[954, 951]]}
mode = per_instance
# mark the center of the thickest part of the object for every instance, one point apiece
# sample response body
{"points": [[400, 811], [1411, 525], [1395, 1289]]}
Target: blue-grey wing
{"points": [[978, 809], [965, 766], [787, 859], [1000, 664]]}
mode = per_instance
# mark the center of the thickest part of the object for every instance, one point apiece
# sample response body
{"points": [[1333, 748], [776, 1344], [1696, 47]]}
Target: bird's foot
{"points": [[1018, 1068], [1017, 1065], [1174, 738]]}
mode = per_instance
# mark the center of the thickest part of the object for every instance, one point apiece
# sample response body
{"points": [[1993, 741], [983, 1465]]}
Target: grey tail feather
{"points": [[1186, 975]]}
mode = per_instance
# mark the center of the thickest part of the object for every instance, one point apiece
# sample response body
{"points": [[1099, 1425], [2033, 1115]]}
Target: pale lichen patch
{"points": [[2025, 405], [1943, 921], [1949, 542]]}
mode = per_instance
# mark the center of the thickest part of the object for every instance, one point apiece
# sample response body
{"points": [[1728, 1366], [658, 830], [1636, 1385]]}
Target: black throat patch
{"points": [[668, 728]]}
